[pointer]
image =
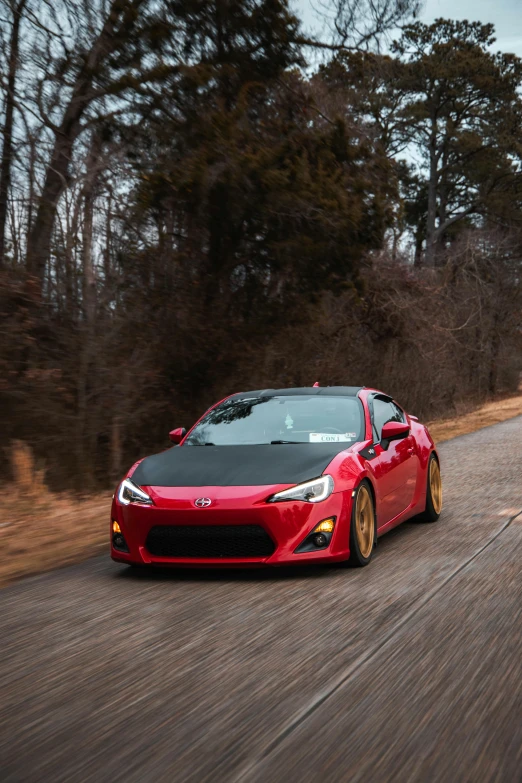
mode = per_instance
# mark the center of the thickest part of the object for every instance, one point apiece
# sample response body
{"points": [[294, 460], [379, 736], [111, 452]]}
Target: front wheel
{"points": [[362, 527], [433, 492]]}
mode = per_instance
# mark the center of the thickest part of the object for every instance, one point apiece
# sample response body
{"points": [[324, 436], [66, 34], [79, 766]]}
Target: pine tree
{"points": [[462, 117]]}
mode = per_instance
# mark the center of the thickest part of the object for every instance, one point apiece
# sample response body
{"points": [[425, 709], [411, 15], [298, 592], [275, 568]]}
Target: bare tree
{"points": [[119, 26], [17, 11], [360, 25]]}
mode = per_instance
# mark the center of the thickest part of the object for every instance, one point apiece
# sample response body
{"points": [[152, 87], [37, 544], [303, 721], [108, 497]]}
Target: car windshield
{"points": [[281, 420]]}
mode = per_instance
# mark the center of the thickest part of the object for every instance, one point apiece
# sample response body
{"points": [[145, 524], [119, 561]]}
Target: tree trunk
{"points": [[88, 277], [89, 192], [31, 175], [107, 267], [494, 349], [432, 195], [443, 194], [7, 148], [417, 261], [116, 449], [71, 296]]}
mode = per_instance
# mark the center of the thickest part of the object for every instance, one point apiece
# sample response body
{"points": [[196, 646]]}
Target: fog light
{"points": [[115, 527], [319, 538], [118, 540], [326, 526]]}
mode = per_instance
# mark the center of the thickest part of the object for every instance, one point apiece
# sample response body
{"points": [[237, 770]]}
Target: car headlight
{"points": [[311, 491], [129, 492]]}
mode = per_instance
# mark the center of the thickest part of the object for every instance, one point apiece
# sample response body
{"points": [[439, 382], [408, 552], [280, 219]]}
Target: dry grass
{"points": [[40, 530], [490, 413]]}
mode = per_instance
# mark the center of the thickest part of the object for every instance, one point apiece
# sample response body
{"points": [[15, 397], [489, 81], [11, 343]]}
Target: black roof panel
{"points": [[327, 391]]}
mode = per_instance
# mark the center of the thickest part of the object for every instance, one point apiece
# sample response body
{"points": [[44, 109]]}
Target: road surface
{"points": [[408, 670]]}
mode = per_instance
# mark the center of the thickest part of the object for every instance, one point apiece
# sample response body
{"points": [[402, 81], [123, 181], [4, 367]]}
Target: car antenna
{"points": [[316, 384]]}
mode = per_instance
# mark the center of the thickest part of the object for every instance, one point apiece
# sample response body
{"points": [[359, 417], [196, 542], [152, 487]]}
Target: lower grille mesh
{"points": [[209, 541]]}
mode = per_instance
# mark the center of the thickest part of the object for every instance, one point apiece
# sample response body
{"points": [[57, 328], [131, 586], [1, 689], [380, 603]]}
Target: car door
{"points": [[397, 466]]}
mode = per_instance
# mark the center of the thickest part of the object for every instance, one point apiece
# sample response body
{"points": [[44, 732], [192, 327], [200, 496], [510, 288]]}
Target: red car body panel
{"points": [[398, 477]]}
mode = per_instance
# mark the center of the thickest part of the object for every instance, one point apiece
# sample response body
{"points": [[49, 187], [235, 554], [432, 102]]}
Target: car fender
{"points": [[425, 448], [349, 469]]}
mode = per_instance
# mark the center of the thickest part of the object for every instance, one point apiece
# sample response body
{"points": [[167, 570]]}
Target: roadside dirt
{"points": [[488, 414], [39, 533], [40, 530]]}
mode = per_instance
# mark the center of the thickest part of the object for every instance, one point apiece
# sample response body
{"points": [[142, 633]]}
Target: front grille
{"points": [[209, 541]]}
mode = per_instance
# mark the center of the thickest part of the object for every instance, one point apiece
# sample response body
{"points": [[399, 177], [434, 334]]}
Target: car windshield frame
{"points": [[281, 420]]}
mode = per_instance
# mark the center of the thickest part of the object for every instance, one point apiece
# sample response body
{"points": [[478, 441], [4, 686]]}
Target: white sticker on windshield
{"points": [[330, 437]]}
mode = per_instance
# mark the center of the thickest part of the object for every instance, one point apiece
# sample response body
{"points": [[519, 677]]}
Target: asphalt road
{"points": [[408, 670]]}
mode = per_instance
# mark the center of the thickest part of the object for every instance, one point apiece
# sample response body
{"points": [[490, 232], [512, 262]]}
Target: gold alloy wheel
{"points": [[364, 521], [435, 486]]}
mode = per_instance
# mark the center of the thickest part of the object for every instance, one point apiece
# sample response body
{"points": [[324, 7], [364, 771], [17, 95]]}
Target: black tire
{"points": [[359, 559], [430, 513]]}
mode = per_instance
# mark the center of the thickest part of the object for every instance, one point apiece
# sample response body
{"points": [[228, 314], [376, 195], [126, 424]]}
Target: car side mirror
{"points": [[177, 435], [394, 430]]}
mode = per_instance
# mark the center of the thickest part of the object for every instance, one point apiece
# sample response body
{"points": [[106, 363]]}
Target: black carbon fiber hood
{"points": [[222, 466]]}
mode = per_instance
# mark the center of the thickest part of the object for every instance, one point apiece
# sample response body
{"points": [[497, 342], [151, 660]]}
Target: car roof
{"points": [[326, 391]]}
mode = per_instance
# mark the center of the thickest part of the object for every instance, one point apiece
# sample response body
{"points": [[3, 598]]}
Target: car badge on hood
{"points": [[202, 502]]}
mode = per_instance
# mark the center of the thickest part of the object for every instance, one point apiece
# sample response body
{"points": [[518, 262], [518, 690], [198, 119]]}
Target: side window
{"points": [[399, 413], [384, 411]]}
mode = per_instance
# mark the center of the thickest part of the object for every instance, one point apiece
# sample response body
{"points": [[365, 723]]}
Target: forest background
{"points": [[200, 196]]}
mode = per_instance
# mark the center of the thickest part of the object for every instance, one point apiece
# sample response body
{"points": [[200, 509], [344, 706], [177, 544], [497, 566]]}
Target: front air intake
{"points": [[209, 541]]}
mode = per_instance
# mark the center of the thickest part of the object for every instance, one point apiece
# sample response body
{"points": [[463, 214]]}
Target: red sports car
{"points": [[279, 476]]}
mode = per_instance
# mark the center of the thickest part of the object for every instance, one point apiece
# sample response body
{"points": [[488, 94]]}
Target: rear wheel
{"points": [[362, 527], [433, 492]]}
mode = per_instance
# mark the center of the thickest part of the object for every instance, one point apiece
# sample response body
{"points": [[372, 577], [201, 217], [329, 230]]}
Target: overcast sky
{"points": [[506, 15]]}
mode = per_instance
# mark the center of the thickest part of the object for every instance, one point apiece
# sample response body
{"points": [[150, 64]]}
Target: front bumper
{"points": [[287, 524]]}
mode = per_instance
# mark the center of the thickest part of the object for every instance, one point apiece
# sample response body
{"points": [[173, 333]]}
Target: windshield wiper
{"points": [[278, 442], [207, 443]]}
